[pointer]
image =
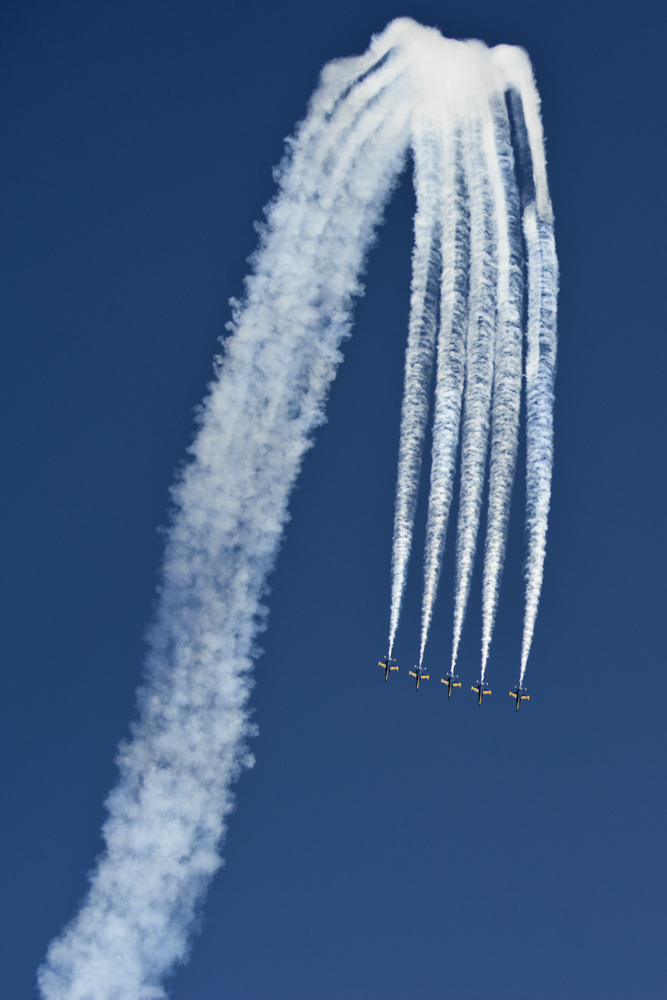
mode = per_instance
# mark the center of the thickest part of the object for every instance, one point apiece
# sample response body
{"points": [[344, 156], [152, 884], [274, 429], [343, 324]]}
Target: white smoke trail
{"points": [[449, 381], [419, 355], [540, 375], [506, 401], [441, 83], [479, 362], [453, 113], [168, 813], [493, 269], [541, 333]]}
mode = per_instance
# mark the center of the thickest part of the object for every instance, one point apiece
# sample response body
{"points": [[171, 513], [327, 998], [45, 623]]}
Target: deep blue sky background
{"points": [[387, 844]]}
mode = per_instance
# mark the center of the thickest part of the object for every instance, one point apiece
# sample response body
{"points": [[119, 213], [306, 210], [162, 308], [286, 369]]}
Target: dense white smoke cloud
{"points": [[168, 812]]}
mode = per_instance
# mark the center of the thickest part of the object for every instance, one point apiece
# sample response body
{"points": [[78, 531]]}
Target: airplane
{"points": [[519, 694], [451, 683], [389, 664], [419, 674], [480, 688]]}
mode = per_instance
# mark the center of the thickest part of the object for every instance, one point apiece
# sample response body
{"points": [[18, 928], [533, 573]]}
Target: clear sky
{"points": [[387, 844]]}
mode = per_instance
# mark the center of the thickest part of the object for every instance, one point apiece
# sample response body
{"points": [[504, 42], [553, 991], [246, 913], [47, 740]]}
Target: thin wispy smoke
{"points": [[444, 100]]}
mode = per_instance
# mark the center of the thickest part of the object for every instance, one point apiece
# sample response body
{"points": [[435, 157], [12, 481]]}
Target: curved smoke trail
{"points": [[168, 812]]}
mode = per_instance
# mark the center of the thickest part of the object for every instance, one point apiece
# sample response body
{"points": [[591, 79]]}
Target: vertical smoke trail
{"points": [[426, 264], [168, 812], [541, 336], [540, 375], [449, 379], [506, 386], [479, 366]]}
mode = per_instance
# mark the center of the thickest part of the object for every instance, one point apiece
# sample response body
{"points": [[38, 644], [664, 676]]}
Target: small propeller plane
{"points": [[451, 682], [419, 675], [519, 694], [389, 664], [481, 689]]}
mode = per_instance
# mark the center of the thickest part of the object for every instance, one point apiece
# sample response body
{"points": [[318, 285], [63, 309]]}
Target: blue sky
{"points": [[386, 844]]}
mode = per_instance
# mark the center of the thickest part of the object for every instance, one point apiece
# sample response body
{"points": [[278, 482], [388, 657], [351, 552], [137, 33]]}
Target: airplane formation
{"points": [[451, 680]]}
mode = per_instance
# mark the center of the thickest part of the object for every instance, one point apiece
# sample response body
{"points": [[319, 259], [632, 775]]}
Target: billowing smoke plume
{"points": [[446, 101]]}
